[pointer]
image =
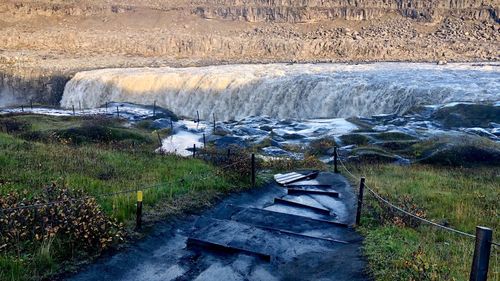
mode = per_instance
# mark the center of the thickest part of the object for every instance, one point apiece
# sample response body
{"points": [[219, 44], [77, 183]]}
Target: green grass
{"points": [[97, 167], [462, 198]]}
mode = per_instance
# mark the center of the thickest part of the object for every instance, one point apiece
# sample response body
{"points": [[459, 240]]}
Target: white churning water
{"points": [[302, 91]]}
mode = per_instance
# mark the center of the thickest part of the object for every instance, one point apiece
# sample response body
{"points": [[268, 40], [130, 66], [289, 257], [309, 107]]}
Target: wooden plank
{"points": [[225, 248], [288, 217], [293, 178], [313, 186], [300, 205], [312, 191]]}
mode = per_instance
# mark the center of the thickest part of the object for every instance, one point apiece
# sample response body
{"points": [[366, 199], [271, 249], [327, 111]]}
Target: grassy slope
{"points": [[98, 168], [463, 198]]}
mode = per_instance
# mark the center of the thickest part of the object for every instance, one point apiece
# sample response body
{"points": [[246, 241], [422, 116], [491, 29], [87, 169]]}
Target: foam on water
{"points": [[301, 91]]}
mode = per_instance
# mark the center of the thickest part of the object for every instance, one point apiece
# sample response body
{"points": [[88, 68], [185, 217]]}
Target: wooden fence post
{"points": [[194, 150], [138, 217], [228, 153], [73, 106], [360, 200], [214, 119], [253, 170], [198, 116], [22, 108], [80, 106], [482, 250], [159, 138], [106, 107], [118, 112], [204, 141], [335, 159], [31, 105], [154, 109]]}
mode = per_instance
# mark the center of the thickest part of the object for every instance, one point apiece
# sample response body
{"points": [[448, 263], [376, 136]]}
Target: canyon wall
{"points": [[43, 43], [295, 11]]}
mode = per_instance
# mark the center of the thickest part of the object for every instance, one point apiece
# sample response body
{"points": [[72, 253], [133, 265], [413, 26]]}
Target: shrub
{"points": [[79, 222], [10, 125], [320, 146]]}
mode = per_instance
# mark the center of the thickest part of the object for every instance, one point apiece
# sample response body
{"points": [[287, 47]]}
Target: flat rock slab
{"points": [[247, 223]]}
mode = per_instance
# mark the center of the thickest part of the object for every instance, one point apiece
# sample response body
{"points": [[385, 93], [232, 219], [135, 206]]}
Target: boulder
{"points": [[373, 155], [463, 155], [228, 141], [357, 139], [467, 115], [293, 136]]}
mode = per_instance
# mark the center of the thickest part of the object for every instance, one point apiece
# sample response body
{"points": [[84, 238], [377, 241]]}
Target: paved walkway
{"points": [[264, 234]]}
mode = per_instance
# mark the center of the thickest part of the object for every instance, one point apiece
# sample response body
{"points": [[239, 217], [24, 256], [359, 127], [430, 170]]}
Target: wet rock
{"points": [[266, 128], [394, 136], [467, 115], [293, 136], [384, 117], [228, 141], [373, 155], [356, 139], [275, 151], [494, 125], [463, 155], [252, 131], [161, 123], [397, 145], [221, 131], [479, 132]]}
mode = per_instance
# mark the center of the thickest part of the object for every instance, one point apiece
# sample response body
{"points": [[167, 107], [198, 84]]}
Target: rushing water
{"points": [[300, 91]]}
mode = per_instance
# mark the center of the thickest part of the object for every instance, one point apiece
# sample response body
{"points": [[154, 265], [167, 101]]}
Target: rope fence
{"points": [[198, 177], [483, 238], [392, 205]]}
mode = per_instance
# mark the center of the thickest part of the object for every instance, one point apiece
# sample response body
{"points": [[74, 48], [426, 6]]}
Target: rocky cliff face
{"points": [[23, 86], [294, 11], [43, 42]]}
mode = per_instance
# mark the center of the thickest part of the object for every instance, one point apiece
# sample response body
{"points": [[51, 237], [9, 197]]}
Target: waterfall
{"points": [[287, 91]]}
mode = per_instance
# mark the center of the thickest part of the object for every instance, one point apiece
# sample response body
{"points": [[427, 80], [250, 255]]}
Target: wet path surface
{"points": [[250, 236]]}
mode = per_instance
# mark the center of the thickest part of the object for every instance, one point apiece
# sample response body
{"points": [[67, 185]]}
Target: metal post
{"points": [[198, 116], [194, 150], [138, 218], [253, 170], [204, 141], [214, 119], [335, 159], [73, 106], [482, 250], [22, 108], [118, 112], [154, 109], [31, 105], [360, 200], [171, 125], [106, 107], [159, 138], [80, 106]]}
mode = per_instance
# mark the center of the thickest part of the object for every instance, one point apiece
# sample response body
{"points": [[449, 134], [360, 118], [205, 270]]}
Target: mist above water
{"points": [[301, 91]]}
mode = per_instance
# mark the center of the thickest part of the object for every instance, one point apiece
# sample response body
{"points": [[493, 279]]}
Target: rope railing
{"points": [[197, 177], [394, 206]]}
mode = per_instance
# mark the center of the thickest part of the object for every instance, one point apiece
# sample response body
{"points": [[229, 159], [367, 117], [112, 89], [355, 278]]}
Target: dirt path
{"points": [[248, 237]]}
